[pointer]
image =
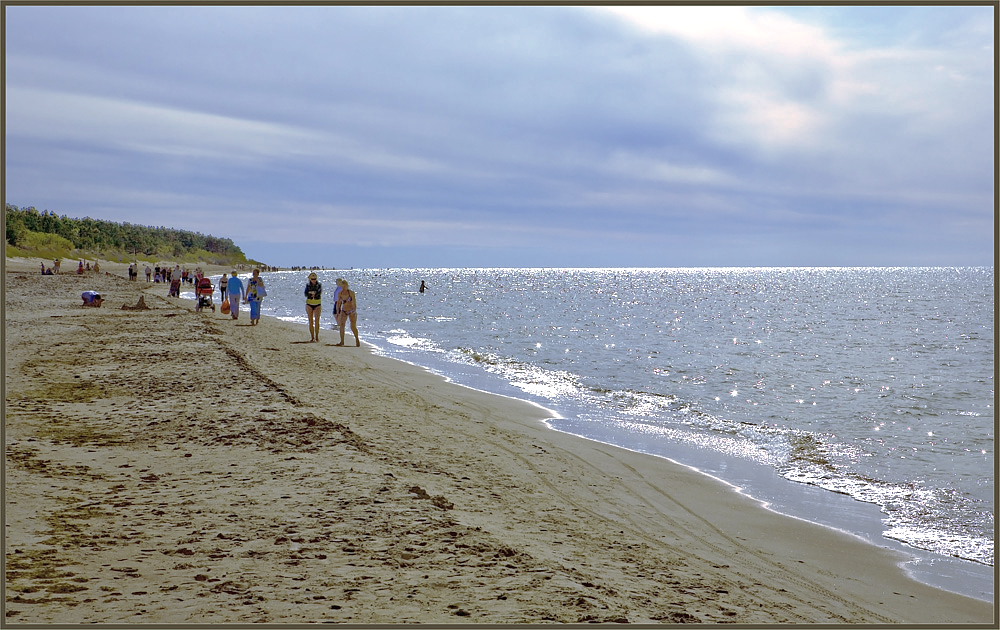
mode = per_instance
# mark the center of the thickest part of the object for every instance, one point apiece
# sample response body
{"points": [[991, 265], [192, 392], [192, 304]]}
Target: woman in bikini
{"points": [[314, 304], [348, 303]]}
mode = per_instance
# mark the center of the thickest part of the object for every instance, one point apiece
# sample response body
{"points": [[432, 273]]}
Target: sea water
{"points": [[860, 398]]}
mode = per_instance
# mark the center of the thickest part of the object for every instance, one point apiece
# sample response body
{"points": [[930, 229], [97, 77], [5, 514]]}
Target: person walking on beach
{"points": [[222, 287], [348, 304], [256, 292], [336, 301], [175, 286], [149, 273], [314, 304], [235, 288], [423, 286]]}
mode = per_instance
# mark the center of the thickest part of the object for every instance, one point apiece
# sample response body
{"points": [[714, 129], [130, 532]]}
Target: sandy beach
{"points": [[173, 467]]}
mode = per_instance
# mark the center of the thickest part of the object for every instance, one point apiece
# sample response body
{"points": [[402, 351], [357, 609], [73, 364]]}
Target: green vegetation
{"points": [[45, 234]]}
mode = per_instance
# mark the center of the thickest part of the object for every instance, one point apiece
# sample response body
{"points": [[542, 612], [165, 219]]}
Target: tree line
{"points": [[102, 236]]}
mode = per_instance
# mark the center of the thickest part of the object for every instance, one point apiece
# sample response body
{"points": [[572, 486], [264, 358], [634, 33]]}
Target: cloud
{"points": [[770, 71], [787, 86], [731, 29], [144, 128], [503, 128]]}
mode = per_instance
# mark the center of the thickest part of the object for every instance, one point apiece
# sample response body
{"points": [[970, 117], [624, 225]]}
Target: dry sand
{"points": [[167, 466]]}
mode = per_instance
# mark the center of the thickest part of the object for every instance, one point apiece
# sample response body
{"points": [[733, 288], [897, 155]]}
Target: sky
{"points": [[516, 136]]}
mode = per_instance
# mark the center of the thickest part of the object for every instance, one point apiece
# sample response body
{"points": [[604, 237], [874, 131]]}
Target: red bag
{"points": [[225, 306]]}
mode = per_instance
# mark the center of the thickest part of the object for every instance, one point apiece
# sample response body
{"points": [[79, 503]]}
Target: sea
{"points": [[861, 399]]}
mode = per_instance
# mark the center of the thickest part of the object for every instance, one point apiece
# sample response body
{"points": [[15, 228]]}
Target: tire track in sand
{"points": [[755, 562]]}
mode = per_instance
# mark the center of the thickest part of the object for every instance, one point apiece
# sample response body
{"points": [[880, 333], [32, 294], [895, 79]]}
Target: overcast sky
{"points": [[516, 136]]}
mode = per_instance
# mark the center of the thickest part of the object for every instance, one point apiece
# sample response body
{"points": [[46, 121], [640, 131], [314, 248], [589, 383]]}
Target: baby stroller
{"points": [[204, 293]]}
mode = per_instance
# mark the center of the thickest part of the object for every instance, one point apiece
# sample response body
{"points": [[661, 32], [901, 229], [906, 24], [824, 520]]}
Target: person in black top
{"points": [[314, 304]]}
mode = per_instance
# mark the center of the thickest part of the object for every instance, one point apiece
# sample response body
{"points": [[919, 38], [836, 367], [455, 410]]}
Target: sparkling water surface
{"points": [[874, 383]]}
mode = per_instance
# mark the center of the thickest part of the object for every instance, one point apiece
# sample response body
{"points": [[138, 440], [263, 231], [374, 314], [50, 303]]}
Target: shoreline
{"points": [[762, 484], [394, 495], [759, 481]]}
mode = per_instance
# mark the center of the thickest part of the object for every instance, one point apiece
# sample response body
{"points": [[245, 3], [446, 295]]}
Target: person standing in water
{"points": [[314, 304], [423, 286], [348, 307]]}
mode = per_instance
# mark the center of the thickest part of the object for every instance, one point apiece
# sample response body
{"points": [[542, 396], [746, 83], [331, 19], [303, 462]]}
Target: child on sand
{"points": [[92, 298]]}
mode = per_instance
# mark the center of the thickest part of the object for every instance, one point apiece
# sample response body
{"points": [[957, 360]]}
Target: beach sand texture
{"points": [[168, 466]]}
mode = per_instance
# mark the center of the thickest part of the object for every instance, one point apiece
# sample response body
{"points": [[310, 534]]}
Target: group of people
{"points": [[345, 307], [81, 269], [234, 292], [166, 274]]}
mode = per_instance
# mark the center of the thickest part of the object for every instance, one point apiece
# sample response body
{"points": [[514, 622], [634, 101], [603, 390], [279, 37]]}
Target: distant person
{"points": [[336, 300], [56, 264], [92, 298], [423, 286], [97, 267], [79, 269], [348, 311], [255, 293], [149, 272], [314, 304], [236, 293], [222, 287]]}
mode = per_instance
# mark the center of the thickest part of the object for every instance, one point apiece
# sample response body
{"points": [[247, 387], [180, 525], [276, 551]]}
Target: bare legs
{"points": [[313, 313], [354, 327]]}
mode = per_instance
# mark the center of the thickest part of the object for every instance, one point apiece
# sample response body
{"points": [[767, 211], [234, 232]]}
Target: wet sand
{"points": [[168, 466]]}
